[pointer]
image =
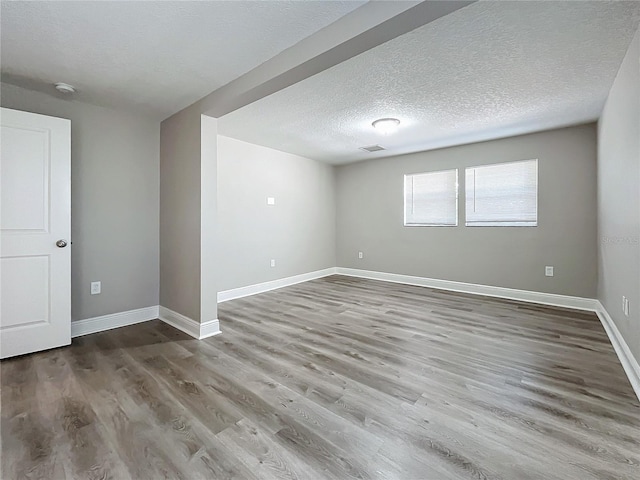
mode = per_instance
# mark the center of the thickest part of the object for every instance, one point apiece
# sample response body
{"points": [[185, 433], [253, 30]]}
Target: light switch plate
{"points": [[625, 306]]}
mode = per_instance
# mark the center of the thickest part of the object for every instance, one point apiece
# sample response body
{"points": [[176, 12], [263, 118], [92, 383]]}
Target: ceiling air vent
{"points": [[372, 148]]}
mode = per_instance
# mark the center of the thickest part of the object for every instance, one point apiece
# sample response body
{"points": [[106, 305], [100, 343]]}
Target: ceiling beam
{"points": [[370, 25]]}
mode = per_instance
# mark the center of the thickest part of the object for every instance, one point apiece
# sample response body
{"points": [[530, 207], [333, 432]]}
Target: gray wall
{"points": [[208, 219], [114, 202], [298, 232], [370, 218], [180, 152], [619, 199]]}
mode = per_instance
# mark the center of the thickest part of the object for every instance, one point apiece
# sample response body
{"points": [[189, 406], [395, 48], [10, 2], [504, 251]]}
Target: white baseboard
{"points": [[188, 325], [209, 329], [115, 320], [234, 293], [628, 361], [212, 327], [131, 317], [566, 301]]}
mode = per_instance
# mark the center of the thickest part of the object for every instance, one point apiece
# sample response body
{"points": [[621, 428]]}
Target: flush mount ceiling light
{"points": [[64, 88], [386, 126]]}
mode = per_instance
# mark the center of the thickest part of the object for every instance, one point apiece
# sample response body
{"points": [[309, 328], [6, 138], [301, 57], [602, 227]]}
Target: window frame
{"points": [[457, 198], [509, 223]]}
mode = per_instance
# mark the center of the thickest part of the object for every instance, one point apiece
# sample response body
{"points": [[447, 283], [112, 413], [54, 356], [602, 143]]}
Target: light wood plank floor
{"points": [[331, 379]]}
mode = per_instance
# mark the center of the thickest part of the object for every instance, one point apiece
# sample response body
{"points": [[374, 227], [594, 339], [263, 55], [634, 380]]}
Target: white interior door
{"points": [[35, 223]]}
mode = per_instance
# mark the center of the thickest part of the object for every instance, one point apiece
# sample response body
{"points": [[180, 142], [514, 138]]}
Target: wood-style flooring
{"points": [[336, 378]]}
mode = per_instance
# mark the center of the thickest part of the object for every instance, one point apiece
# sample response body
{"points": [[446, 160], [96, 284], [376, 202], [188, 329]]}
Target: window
{"points": [[431, 199], [502, 195]]}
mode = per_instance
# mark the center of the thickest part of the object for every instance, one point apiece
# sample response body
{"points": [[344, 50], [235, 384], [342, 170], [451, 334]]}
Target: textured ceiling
{"points": [[156, 56], [490, 70]]}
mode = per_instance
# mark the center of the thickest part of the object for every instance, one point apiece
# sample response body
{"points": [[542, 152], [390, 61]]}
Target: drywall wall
{"points": [[180, 154], [208, 219], [619, 199], [188, 168], [370, 218], [298, 231], [114, 202]]}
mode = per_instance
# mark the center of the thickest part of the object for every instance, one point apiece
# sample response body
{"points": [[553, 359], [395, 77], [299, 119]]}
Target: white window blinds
{"points": [[431, 199], [504, 194]]}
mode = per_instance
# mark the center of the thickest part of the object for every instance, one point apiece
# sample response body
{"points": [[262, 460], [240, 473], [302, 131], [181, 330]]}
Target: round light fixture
{"points": [[65, 88], [386, 126]]}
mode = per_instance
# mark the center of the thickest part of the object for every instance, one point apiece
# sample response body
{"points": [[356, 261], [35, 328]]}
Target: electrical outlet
{"points": [[271, 201], [273, 262], [360, 255], [96, 288], [548, 271]]}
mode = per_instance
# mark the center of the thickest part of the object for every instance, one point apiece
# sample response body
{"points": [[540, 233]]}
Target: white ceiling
{"points": [[489, 70], [156, 57]]}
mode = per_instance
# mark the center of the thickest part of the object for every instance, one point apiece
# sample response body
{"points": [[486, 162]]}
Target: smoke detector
{"points": [[65, 88]]}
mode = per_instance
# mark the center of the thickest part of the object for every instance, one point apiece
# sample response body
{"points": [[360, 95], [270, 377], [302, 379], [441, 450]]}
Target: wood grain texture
{"points": [[331, 379]]}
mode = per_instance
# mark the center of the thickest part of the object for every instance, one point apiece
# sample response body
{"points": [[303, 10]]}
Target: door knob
{"points": [[61, 243]]}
